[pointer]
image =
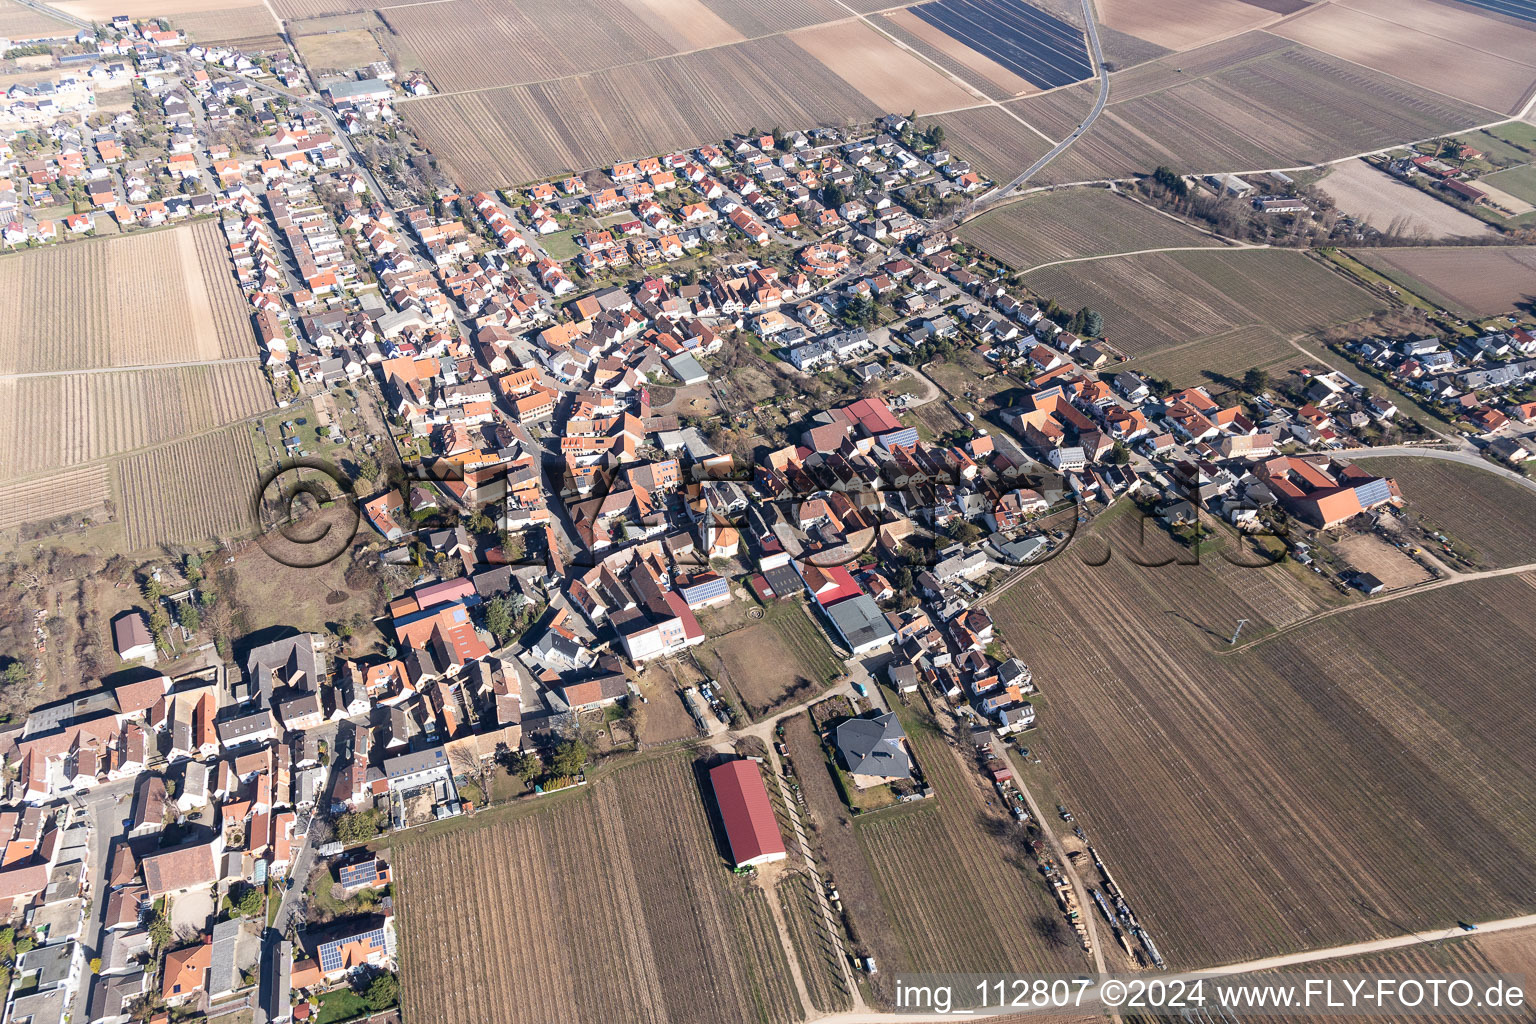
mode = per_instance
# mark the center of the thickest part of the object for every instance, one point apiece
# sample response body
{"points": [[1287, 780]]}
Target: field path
{"points": [[833, 931], [1361, 948], [205, 336], [1141, 252], [127, 369], [1449, 581]]}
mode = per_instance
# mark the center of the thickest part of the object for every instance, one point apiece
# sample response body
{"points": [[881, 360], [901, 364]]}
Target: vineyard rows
{"points": [[609, 905], [66, 420], [192, 490], [43, 498], [158, 297], [1322, 786]]}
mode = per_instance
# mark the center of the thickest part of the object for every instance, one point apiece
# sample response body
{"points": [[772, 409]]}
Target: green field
{"points": [[1519, 182]]}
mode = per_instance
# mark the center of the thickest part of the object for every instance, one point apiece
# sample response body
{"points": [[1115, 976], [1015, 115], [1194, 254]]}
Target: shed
{"points": [[746, 813]]}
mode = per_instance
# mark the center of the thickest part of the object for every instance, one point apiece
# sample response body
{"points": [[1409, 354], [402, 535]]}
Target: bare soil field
{"points": [[997, 145], [1452, 50], [1156, 301], [42, 498], [780, 660], [1320, 786], [688, 24], [68, 419], [18, 23], [1075, 223], [298, 10], [1492, 516], [962, 894], [105, 10], [508, 136], [753, 18], [339, 51], [1183, 24], [190, 491], [611, 904], [1218, 363], [134, 300], [950, 53], [229, 23], [1248, 103], [521, 42], [890, 77], [1369, 553], [1471, 281], [1387, 204]]}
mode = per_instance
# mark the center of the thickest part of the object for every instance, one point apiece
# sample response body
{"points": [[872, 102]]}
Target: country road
{"points": [[1461, 455], [1097, 52], [1361, 948]]}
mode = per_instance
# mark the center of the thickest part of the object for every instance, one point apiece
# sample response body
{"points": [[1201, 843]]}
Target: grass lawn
{"points": [[560, 245], [1519, 182], [342, 1004]]}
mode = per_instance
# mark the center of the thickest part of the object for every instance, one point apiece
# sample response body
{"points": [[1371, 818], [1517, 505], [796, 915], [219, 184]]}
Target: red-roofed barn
{"points": [[747, 814]]}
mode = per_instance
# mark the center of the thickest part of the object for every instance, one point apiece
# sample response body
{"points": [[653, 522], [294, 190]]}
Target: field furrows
{"points": [[611, 905], [193, 490], [510, 135], [158, 297], [1076, 223], [1158, 300], [819, 961], [43, 498], [1323, 787], [58, 421]]}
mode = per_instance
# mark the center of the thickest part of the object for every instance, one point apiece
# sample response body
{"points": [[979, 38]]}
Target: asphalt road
{"points": [[1061, 147]]}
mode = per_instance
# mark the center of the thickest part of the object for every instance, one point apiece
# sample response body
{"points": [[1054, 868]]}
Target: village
{"points": [[579, 507]]}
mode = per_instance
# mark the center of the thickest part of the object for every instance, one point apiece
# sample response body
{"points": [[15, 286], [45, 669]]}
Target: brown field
{"points": [[1492, 516], [105, 10], [135, 300], [942, 871], [611, 904], [1252, 102], [228, 23], [753, 18], [194, 490], [1453, 50], [522, 42], [889, 77], [997, 145], [779, 660], [953, 55], [18, 23], [1319, 786], [1183, 24], [819, 962], [1156, 301], [62, 420], [688, 24], [1219, 362], [1075, 223], [508, 136], [299, 10], [1498, 952], [1367, 552], [950, 866], [1468, 281], [339, 51], [44, 497], [1387, 204]]}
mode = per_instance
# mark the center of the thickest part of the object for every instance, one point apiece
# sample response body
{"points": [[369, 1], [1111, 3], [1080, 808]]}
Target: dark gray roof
{"points": [[872, 746]]}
